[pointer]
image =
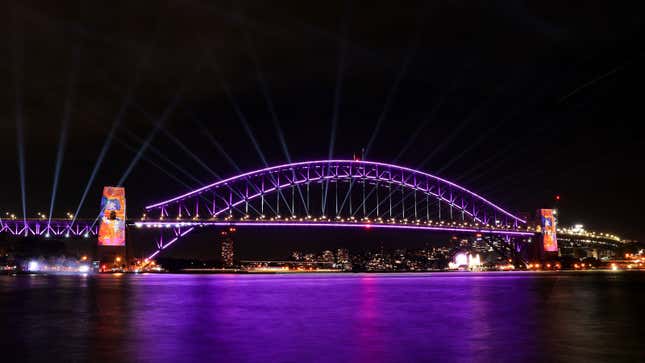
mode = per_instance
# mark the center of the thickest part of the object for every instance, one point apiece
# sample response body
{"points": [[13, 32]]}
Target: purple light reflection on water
{"points": [[456, 317]]}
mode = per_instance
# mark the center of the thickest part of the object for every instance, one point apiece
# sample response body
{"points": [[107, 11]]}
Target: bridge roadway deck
{"points": [[439, 227], [89, 227]]}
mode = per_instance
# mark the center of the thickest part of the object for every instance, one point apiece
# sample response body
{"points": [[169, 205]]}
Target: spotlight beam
{"points": [[148, 140], [271, 107], [177, 142], [390, 98], [300, 28], [130, 103], [146, 143], [471, 146], [236, 108], [168, 111], [151, 162], [18, 60], [163, 157], [241, 117], [472, 115], [426, 121], [411, 52], [106, 145], [182, 146], [125, 103], [155, 164], [343, 44], [62, 139], [218, 146], [517, 111]]}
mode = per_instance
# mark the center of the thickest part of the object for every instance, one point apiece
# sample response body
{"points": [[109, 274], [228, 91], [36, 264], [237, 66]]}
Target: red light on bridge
{"points": [[557, 197]]}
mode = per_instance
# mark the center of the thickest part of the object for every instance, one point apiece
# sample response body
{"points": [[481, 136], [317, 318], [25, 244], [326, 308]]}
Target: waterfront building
{"points": [[228, 252], [342, 255]]}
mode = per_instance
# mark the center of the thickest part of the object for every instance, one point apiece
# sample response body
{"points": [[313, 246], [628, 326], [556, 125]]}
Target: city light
{"points": [[33, 266]]}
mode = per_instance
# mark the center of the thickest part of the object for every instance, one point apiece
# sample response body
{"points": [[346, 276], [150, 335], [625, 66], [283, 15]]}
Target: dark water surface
{"points": [[443, 317]]}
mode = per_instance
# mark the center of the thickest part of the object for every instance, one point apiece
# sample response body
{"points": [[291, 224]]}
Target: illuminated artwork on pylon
{"points": [[112, 229], [549, 238]]}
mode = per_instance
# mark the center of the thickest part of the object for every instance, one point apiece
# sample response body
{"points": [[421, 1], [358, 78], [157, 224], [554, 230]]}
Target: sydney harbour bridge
{"points": [[316, 194]]}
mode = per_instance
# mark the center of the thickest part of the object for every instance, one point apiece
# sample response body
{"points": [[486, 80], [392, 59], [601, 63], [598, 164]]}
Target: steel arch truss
{"points": [[338, 190], [168, 236]]}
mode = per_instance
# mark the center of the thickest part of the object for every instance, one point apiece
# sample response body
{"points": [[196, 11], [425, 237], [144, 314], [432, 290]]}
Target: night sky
{"points": [[516, 100]]}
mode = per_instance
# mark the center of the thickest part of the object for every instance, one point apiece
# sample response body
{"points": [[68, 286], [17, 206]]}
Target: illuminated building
{"points": [[227, 251], [342, 255], [296, 255], [465, 261], [328, 256]]}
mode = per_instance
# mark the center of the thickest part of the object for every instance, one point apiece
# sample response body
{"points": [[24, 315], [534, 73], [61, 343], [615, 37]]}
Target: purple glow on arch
{"points": [[298, 182], [331, 225], [323, 162]]}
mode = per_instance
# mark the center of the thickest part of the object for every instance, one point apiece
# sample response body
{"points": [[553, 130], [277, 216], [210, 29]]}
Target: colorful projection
{"points": [[112, 229], [549, 239]]}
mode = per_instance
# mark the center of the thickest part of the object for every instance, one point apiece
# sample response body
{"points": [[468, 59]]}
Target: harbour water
{"points": [[442, 317]]}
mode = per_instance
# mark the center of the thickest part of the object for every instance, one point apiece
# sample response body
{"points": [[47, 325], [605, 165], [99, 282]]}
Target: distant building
{"points": [[228, 252], [342, 256], [297, 256], [328, 256]]}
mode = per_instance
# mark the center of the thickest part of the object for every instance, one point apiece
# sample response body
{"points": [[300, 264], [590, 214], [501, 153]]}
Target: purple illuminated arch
{"points": [[299, 174]]}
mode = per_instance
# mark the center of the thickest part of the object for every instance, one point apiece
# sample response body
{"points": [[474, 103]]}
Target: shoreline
{"points": [[220, 272]]}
